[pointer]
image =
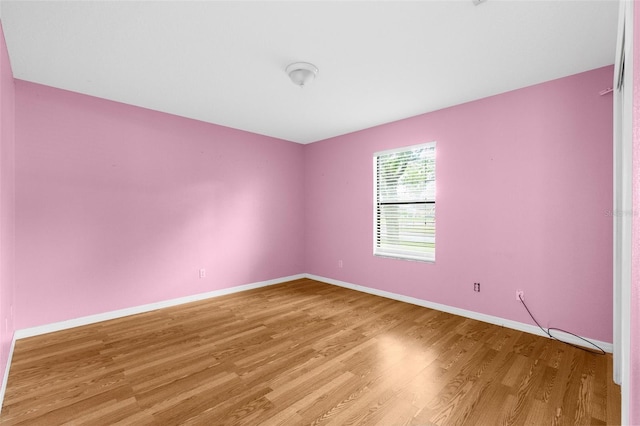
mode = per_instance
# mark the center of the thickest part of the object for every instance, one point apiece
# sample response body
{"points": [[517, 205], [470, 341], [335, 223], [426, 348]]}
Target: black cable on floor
{"points": [[599, 350]]}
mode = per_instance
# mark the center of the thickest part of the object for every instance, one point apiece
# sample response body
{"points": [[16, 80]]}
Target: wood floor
{"points": [[304, 353]]}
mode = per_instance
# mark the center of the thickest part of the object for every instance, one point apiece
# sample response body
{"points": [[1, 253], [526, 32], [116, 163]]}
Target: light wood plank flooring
{"points": [[304, 352]]}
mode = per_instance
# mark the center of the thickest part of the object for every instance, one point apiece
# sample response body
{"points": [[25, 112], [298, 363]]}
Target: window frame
{"points": [[427, 257]]}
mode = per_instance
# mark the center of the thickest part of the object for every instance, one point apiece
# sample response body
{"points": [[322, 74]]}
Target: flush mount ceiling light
{"points": [[302, 73]]}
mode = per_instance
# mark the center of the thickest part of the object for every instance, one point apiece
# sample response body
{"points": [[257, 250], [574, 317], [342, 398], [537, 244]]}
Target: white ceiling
{"points": [[223, 61]]}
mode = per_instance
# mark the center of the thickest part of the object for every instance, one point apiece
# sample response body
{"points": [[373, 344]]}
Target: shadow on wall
{"points": [[120, 206]]}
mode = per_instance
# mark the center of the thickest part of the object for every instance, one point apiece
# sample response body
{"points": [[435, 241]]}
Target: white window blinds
{"points": [[405, 203]]}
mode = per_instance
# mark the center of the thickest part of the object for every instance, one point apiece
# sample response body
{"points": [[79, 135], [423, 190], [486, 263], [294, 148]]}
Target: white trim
{"points": [[3, 388], [92, 319], [628, 188], [404, 253], [520, 326], [621, 180], [623, 204], [405, 148]]}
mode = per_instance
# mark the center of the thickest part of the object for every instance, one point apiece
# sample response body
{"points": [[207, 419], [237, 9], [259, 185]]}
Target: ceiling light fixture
{"points": [[302, 73]]}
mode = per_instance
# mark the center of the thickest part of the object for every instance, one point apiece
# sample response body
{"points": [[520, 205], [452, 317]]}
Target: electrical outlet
{"points": [[340, 264], [202, 273], [476, 287], [519, 295]]}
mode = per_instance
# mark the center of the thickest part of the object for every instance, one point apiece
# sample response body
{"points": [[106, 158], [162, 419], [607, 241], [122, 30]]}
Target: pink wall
{"points": [[118, 206], [7, 204], [634, 388], [524, 199]]}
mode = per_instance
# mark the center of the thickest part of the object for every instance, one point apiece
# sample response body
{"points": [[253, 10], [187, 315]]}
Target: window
{"points": [[405, 203]]}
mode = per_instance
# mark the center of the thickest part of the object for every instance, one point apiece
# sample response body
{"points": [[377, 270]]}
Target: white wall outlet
{"points": [[202, 273], [340, 264], [519, 295]]}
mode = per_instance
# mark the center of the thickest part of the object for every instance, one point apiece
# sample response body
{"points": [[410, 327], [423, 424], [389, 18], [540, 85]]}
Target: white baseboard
{"points": [[3, 388], [92, 319], [520, 326]]}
